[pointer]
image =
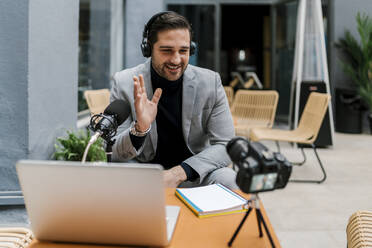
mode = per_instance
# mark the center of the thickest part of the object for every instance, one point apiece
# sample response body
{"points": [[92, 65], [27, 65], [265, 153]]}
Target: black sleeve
{"points": [[190, 172], [137, 141]]}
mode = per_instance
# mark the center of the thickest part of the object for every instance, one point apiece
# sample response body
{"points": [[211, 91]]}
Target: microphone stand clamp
{"points": [[108, 137]]}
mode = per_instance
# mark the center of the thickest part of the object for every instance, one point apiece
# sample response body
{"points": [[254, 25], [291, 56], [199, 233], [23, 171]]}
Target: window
{"points": [[100, 45]]}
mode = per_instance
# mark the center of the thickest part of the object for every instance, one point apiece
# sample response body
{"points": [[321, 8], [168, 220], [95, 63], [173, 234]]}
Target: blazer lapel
{"points": [[188, 99]]}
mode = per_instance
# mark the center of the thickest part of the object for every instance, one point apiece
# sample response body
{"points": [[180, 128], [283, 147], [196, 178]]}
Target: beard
{"points": [[170, 71]]}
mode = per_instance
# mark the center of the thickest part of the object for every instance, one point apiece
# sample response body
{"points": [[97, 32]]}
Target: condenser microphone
{"points": [[105, 125]]}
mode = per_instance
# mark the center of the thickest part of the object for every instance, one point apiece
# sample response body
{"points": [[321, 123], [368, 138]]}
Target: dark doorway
{"points": [[245, 41]]}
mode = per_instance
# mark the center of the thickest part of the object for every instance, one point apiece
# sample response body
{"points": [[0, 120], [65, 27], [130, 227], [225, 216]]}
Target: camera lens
{"points": [[237, 148], [279, 157]]}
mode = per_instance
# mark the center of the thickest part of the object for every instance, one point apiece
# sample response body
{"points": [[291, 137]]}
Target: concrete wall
{"points": [[13, 87], [342, 17], [38, 79], [137, 13]]}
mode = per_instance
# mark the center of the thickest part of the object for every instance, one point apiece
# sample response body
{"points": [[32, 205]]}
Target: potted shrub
{"points": [[358, 59], [72, 147]]}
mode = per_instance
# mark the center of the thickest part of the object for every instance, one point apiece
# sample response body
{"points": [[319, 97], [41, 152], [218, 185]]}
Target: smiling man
{"points": [[180, 115]]}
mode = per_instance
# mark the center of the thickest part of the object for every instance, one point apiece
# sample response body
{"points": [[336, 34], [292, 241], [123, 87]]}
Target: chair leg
{"points": [[321, 167], [303, 161], [293, 163], [277, 145]]}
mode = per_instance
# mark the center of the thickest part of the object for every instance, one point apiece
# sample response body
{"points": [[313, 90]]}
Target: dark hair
{"points": [[167, 21]]}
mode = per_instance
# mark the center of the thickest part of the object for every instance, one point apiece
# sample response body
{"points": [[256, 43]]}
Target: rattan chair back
{"points": [[255, 108], [359, 230], [229, 94], [312, 117], [97, 100], [19, 237]]}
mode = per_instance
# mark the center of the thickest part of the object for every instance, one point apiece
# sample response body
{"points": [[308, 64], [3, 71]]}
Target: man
{"points": [[180, 116]]}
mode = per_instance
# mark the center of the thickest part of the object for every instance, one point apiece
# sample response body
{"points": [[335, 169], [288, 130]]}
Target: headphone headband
{"points": [[146, 47], [150, 22]]}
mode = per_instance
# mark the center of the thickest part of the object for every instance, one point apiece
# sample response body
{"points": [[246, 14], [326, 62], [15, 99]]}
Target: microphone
{"points": [[113, 116], [105, 125]]}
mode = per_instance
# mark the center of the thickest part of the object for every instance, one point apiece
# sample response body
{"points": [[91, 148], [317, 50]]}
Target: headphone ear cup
{"points": [[146, 49], [192, 48]]}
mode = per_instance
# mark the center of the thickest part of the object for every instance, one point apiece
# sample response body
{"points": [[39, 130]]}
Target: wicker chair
{"points": [[253, 108], [359, 230], [97, 100], [306, 132], [11, 237], [229, 94]]}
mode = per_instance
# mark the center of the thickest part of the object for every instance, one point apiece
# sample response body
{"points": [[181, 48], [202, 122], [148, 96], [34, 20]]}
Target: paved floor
{"points": [[316, 215], [306, 215]]}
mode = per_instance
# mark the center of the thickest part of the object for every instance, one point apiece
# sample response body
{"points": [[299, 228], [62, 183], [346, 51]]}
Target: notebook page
{"points": [[212, 197]]}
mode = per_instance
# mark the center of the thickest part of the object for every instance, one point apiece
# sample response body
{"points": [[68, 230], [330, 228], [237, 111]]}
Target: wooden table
{"points": [[193, 232]]}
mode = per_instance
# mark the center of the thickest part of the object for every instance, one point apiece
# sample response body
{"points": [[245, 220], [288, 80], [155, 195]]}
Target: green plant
{"points": [[358, 63], [72, 147]]}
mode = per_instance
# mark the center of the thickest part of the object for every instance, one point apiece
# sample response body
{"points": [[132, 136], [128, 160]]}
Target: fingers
{"points": [[157, 95], [142, 84], [135, 88], [139, 89]]}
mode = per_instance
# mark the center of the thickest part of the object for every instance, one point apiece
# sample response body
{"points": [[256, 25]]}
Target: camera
{"points": [[260, 169]]}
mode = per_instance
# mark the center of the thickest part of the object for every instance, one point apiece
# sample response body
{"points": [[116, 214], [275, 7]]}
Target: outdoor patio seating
{"points": [[306, 132], [97, 100], [253, 108], [359, 230]]}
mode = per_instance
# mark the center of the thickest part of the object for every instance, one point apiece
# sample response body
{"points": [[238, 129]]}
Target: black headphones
{"points": [[146, 47]]}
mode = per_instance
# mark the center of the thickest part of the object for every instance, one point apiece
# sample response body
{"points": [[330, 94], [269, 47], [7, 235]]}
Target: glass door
{"points": [[284, 16], [285, 21]]}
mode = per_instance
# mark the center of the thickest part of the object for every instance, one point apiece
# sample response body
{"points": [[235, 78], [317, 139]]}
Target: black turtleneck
{"points": [[171, 148]]}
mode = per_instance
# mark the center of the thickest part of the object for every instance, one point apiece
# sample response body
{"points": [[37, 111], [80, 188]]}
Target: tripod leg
{"points": [[240, 226], [259, 222], [266, 229]]}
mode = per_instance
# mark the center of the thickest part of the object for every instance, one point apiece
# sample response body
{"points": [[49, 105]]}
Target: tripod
{"points": [[253, 203]]}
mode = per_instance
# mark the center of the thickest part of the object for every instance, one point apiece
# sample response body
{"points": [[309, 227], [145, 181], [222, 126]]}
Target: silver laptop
{"points": [[97, 203]]}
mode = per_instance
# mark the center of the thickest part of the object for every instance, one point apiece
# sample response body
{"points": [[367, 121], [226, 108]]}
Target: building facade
{"points": [[51, 51]]}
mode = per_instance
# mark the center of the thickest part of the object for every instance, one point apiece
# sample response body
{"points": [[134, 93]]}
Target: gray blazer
{"points": [[206, 119]]}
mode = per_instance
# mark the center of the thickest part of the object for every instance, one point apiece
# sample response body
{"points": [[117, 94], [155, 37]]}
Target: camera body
{"points": [[260, 169]]}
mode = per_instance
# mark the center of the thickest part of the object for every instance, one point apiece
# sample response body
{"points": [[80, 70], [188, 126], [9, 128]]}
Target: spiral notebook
{"points": [[212, 200]]}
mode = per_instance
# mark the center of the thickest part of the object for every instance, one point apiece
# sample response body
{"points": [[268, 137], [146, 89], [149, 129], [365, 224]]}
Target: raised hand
{"points": [[146, 110]]}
